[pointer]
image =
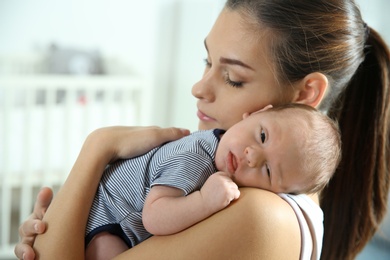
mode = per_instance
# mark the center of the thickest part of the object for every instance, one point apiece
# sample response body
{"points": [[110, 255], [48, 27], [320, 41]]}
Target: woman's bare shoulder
{"points": [[267, 222], [267, 209], [258, 199]]}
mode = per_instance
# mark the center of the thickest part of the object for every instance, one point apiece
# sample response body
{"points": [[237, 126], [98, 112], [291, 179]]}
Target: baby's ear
{"points": [[265, 108], [245, 115]]}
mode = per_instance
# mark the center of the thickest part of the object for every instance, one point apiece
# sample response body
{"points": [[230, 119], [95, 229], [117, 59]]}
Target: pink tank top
{"points": [[310, 218]]}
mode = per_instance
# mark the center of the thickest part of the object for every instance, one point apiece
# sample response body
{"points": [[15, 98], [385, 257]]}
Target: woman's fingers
{"points": [[127, 142], [24, 251], [162, 135], [43, 201], [33, 225]]}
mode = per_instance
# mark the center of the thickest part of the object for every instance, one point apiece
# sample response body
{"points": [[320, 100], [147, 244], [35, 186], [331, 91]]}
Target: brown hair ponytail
{"points": [[354, 203]]}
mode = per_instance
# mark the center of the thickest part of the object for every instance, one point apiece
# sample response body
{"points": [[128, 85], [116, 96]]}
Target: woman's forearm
{"points": [[67, 215]]}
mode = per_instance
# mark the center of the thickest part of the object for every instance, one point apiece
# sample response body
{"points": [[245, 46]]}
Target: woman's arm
{"points": [[67, 215], [259, 225]]}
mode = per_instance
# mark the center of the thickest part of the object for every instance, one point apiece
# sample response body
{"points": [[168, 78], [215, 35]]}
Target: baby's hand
{"points": [[218, 191]]}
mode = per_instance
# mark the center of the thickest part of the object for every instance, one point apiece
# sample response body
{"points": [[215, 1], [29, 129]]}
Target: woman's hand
{"points": [[112, 143], [121, 142], [33, 225]]}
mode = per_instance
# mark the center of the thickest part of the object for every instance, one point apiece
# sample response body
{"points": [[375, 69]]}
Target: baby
{"points": [[287, 149]]}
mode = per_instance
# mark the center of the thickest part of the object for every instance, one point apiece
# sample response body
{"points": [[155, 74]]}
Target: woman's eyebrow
{"points": [[234, 62], [229, 61]]}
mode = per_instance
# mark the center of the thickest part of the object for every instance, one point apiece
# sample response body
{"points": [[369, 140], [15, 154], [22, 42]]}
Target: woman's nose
{"points": [[253, 157], [204, 89]]}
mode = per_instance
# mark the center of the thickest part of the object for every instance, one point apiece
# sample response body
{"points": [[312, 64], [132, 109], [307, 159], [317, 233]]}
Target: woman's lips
{"points": [[204, 117], [231, 163]]}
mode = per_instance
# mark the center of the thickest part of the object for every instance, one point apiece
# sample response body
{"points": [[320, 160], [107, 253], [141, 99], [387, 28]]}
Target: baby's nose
{"points": [[253, 157]]}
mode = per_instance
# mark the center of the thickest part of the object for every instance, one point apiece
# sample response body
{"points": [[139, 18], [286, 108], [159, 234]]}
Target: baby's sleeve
{"points": [[187, 171]]}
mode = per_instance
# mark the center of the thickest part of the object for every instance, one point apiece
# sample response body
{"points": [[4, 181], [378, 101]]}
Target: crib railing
{"points": [[43, 122]]}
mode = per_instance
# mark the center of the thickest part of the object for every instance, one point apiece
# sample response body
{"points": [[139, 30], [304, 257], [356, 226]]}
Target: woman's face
{"points": [[238, 77]]}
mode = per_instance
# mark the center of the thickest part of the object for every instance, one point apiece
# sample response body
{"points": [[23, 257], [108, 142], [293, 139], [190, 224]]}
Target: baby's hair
{"points": [[321, 147]]}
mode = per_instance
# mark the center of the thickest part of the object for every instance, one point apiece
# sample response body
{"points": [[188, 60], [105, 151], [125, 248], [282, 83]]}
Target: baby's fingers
{"points": [[234, 191], [237, 193], [231, 187]]}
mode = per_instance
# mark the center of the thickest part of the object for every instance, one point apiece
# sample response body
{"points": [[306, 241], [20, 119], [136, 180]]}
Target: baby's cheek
{"points": [[232, 121], [218, 160]]}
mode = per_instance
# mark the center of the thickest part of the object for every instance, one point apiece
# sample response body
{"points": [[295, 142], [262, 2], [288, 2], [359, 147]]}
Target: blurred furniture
{"points": [[44, 120]]}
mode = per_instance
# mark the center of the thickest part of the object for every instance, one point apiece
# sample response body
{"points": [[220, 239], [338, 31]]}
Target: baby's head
{"points": [[319, 144], [291, 149]]}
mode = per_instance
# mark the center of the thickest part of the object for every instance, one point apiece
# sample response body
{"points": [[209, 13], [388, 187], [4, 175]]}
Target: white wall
{"points": [[376, 14], [118, 28], [179, 60], [143, 34]]}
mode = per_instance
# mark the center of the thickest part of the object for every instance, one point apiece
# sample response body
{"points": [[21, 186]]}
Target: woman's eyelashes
{"points": [[235, 84], [207, 63]]}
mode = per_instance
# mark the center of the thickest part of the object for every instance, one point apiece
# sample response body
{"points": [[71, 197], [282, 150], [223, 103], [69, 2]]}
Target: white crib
{"points": [[43, 122]]}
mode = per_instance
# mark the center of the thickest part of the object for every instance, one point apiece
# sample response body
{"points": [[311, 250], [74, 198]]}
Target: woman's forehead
{"points": [[237, 34]]}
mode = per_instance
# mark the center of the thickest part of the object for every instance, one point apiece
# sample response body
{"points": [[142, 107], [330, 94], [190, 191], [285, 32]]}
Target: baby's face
{"points": [[263, 151]]}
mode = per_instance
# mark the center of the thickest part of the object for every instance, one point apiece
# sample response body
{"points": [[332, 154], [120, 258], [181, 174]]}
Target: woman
{"points": [[319, 53]]}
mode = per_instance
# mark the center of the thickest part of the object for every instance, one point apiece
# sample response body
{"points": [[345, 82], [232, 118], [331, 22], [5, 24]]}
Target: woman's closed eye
{"points": [[235, 84]]}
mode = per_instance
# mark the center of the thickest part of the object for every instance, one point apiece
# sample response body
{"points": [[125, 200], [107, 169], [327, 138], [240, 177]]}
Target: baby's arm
{"points": [[168, 211]]}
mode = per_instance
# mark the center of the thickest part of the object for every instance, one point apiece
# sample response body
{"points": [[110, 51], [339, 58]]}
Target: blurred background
{"points": [[68, 67]]}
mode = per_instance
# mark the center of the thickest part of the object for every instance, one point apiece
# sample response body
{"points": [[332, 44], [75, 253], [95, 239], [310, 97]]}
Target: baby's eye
{"points": [[262, 136], [268, 170]]}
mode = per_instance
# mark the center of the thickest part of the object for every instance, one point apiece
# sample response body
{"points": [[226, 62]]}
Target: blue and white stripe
{"points": [[184, 164]]}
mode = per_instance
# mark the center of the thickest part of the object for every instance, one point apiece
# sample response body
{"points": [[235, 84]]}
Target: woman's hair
{"points": [[320, 143], [330, 37]]}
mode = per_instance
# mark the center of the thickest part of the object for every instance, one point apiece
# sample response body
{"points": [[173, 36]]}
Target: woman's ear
{"points": [[312, 89]]}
